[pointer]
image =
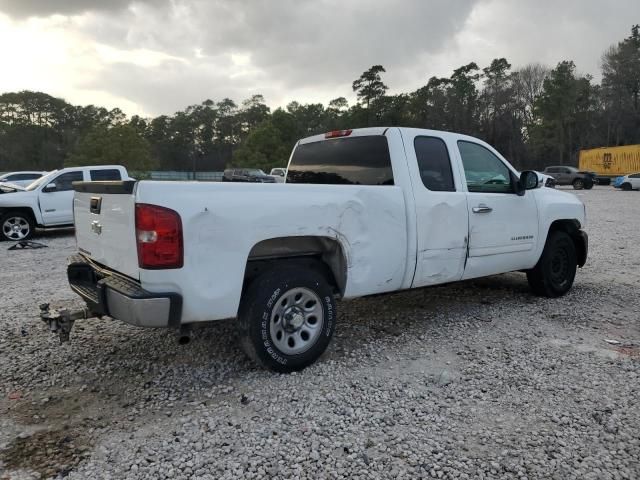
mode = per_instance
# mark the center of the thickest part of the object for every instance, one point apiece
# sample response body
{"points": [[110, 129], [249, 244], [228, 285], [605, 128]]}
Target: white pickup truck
{"points": [[48, 201], [362, 212]]}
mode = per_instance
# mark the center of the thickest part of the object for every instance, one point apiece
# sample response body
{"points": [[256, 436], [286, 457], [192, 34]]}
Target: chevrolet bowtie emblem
{"points": [[96, 227]]}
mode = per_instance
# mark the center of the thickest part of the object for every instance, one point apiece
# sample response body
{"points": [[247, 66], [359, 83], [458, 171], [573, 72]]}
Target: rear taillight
{"points": [[337, 133], [159, 237]]}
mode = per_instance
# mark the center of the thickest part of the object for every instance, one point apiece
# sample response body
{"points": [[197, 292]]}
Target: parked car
{"points": [[547, 180], [363, 212], [630, 182], [571, 176], [278, 174], [22, 179], [47, 202], [252, 175]]}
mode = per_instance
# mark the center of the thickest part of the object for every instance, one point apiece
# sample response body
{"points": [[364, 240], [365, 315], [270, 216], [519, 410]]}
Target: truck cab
{"points": [[48, 201]]}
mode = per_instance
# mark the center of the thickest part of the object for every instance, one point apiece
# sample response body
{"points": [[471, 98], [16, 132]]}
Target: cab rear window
{"points": [[361, 160], [105, 174]]}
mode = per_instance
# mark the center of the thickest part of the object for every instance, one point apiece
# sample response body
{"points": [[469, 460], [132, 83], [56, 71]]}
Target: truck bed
{"points": [[224, 222]]}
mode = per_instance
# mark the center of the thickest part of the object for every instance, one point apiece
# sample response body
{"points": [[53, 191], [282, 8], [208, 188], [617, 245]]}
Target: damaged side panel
{"points": [[368, 222]]}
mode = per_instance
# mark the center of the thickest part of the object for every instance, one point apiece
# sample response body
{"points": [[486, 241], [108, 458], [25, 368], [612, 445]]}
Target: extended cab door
{"points": [[503, 227], [441, 209], [56, 198]]}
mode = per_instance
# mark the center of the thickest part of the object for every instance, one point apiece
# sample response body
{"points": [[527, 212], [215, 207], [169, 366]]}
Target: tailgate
{"points": [[104, 217]]}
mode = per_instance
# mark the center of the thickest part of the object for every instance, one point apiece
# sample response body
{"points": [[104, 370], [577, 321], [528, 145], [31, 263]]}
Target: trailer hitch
{"points": [[61, 321]]}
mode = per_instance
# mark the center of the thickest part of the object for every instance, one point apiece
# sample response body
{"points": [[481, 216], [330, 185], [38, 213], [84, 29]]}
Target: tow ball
{"points": [[61, 321]]}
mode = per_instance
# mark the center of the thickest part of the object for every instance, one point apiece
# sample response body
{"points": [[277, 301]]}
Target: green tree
{"points": [[118, 145], [254, 112], [264, 148], [500, 121], [339, 104], [428, 105], [370, 87], [463, 99], [621, 89], [563, 114], [36, 129]]}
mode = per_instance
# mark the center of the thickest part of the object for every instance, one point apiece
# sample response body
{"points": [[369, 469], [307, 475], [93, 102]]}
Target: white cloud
{"points": [[153, 57]]}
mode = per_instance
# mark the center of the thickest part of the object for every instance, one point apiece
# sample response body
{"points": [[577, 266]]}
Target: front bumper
{"points": [[108, 293], [583, 247]]}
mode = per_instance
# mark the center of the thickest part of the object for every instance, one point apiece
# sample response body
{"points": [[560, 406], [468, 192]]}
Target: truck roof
{"points": [[381, 131]]}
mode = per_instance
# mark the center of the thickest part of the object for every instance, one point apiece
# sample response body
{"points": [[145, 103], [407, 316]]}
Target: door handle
{"points": [[482, 208]]}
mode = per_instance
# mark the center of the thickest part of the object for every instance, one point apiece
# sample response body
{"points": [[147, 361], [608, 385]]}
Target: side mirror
{"points": [[52, 187], [281, 174], [528, 181]]}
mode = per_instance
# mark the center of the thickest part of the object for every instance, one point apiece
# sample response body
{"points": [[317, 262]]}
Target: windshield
{"points": [[255, 171], [41, 181]]}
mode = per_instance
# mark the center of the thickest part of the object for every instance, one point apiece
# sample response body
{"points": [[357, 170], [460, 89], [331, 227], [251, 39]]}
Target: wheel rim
{"points": [[296, 321], [560, 267], [16, 228], [579, 183]]}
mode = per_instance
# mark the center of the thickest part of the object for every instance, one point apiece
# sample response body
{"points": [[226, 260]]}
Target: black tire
{"points": [[555, 272], [269, 318], [16, 226], [578, 184], [626, 187]]}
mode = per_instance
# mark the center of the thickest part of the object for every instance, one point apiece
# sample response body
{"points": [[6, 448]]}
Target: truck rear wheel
{"points": [[16, 226], [287, 318], [578, 184], [554, 273]]}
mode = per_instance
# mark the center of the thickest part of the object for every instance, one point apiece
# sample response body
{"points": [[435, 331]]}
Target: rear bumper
{"points": [[108, 293]]}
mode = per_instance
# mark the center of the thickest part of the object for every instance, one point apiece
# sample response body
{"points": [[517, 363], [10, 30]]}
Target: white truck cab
{"points": [[48, 201], [361, 212]]}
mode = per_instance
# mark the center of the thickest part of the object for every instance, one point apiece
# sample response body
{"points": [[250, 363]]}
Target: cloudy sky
{"points": [[154, 57]]}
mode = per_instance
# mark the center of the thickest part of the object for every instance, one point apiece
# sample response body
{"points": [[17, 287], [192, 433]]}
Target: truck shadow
{"points": [[54, 232]]}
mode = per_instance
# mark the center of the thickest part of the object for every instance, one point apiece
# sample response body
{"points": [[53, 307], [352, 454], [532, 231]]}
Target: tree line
{"points": [[534, 116]]}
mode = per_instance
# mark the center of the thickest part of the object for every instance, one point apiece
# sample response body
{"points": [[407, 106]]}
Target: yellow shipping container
{"points": [[611, 161]]}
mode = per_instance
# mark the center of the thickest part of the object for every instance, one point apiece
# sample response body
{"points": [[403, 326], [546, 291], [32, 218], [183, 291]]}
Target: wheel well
{"points": [[322, 253], [24, 210], [572, 228]]}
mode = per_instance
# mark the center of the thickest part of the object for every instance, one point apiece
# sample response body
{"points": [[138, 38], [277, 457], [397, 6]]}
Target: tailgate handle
{"points": [[95, 204]]}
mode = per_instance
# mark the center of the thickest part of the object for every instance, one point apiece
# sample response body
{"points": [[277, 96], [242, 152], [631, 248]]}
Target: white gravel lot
{"points": [[474, 380]]}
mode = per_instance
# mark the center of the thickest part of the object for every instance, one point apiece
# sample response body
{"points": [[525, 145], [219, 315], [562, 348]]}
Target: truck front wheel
{"points": [[287, 318], [554, 273], [16, 226]]}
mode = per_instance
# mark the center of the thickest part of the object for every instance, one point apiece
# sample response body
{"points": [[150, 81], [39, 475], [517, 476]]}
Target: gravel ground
{"points": [[474, 380]]}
